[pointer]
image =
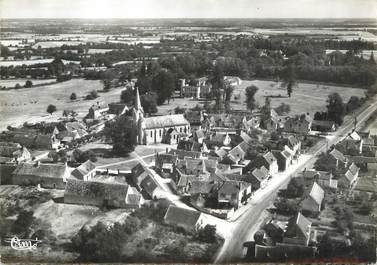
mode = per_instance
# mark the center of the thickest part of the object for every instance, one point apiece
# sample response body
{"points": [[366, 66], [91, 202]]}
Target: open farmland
{"points": [[9, 83], [305, 98], [25, 62], [29, 104]]}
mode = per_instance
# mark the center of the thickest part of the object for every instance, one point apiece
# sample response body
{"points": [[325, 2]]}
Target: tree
{"points": [[228, 93], [17, 86], [179, 110], [28, 83], [51, 109], [283, 109], [353, 103], [289, 79], [83, 156], [217, 81], [149, 102], [325, 162], [207, 234], [164, 85], [250, 97], [127, 96], [92, 95], [335, 108], [21, 226], [73, 96], [122, 134]]}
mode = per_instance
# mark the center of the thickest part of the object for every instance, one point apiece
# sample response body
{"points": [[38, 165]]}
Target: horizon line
{"points": [[239, 18]]}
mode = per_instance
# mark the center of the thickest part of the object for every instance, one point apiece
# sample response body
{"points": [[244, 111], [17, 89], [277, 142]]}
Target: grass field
{"points": [[9, 83], [29, 104], [25, 62], [305, 98]]}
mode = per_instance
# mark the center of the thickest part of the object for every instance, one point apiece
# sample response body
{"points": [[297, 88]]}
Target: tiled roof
{"points": [[269, 157], [338, 155], [92, 189], [303, 224], [260, 173], [41, 170], [317, 193], [165, 121], [354, 169], [149, 185], [204, 187], [83, 169], [181, 217]]}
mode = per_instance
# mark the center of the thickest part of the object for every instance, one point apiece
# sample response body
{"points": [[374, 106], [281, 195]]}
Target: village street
{"points": [[245, 227]]}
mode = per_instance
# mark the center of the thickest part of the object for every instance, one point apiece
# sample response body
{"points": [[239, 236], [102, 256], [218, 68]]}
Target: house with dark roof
{"points": [[323, 126], [139, 173], [313, 201], [268, 160], [220, 139], [115, 195], [188, 219], [86, 171], [353, 141], [195, 118], [349, 178], [46, 141], [97, 111], [340, 159], [149, 185], [299, 124], [280, 252], [365, 185], [46, 175], [233, 193], [284, 159], [258, 178], [117, 108], [273, 122], [165, 162], [13, 153], [299, 231], [323, 178]]}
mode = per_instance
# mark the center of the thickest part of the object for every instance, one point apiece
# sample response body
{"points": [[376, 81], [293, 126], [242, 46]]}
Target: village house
{"points": [[292, 144], [199, 136], [46, 175], [323, 178], [13, 153], [165, 163], [299, 231], [284, 159], [219, 139], [273, 122], [349, 178], [252, 123], [195, 118], [267, 160], [365, 163], [233, 193], [340, 160], [101, 194], [199, 88], [188, 219], [190, 145], [117, 108], [71, 131], [323, 126], [97, 111], [258, 178], [298, 124], [365, 186], [86, 171], [313, 201]]}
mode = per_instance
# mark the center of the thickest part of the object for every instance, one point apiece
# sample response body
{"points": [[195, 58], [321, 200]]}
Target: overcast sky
{"points": [[188, 8]]}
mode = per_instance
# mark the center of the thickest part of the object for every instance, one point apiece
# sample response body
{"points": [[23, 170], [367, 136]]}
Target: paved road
{"points": [[247, 224]]}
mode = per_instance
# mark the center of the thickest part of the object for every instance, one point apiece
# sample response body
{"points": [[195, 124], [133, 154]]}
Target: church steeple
{"points": [[138, 102]]}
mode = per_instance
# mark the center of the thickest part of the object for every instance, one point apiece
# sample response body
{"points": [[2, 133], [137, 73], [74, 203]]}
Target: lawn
{"points": [[29, 104], [305, 98], [10, 83]]}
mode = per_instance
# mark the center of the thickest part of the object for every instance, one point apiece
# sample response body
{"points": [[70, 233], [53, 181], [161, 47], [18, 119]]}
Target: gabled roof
{"points": [[246, 138], [322, 175], [149, 185], [231, 186], [270, 158], [41, 170], [181, 217], [354, 169], [317, 193], [355, 136], [165, 121], [338, 155], [237, 153], [83, 169], [260, 173], [201, 187], [117, 108], [92, 189], [293, 141], [303, 225]]}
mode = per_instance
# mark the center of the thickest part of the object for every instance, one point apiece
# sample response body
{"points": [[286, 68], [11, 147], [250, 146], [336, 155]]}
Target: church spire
{"points": [[137, 101]]}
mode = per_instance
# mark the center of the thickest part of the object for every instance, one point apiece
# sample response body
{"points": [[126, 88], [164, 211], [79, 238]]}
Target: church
{"points": [[159, 129]]}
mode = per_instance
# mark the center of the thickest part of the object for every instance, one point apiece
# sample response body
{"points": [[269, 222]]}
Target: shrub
{"points": [[73, 96]]}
